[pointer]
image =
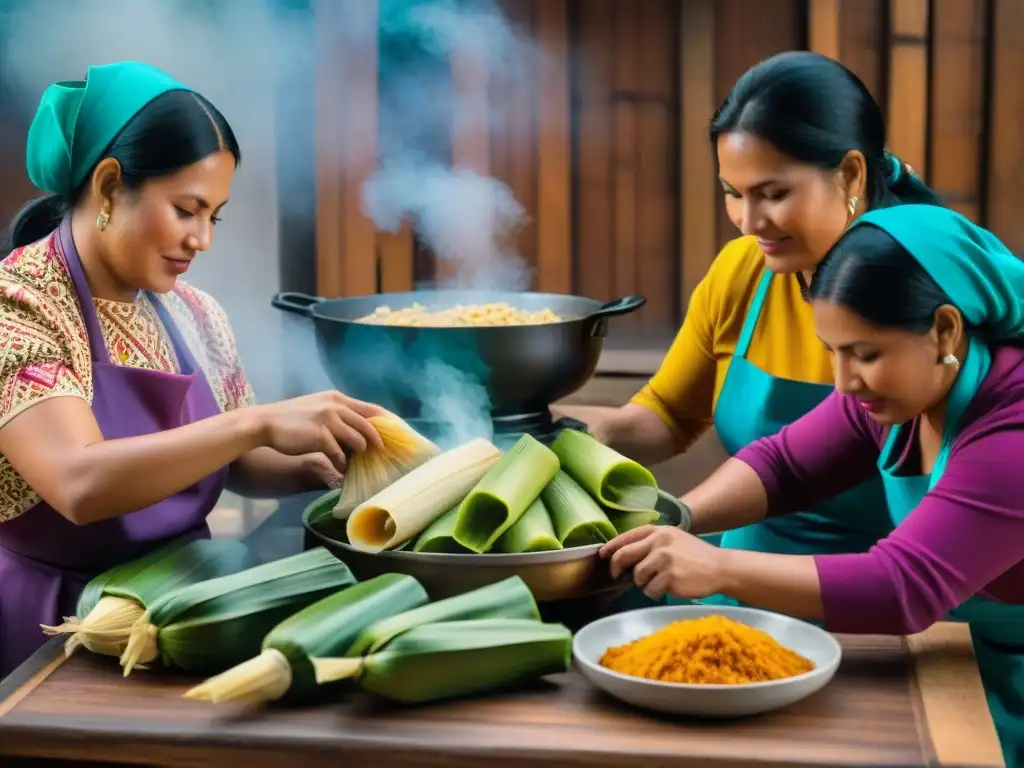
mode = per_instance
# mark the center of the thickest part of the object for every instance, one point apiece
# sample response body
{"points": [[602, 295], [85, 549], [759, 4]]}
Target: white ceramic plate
{"points": [[704, 700]]}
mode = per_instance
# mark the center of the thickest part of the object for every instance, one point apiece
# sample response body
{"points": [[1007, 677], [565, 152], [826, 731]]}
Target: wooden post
{"points": [[1005, 194], [346, 145], [554, 149], [699, 192], [908, 83]]}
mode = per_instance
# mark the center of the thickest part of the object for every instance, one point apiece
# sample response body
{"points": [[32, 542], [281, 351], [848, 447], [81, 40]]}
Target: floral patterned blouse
{"points": [[45, 348]]}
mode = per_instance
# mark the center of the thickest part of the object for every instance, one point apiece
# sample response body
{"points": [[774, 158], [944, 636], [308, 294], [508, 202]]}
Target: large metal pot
{"points": [[522, 368]]}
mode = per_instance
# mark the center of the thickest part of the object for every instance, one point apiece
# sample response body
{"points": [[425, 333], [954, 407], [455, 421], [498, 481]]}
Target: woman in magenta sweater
{"points": [[924, 315]]}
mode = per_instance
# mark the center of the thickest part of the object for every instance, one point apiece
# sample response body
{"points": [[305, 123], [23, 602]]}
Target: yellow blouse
{"points": [[46, 349], [685, 389]]}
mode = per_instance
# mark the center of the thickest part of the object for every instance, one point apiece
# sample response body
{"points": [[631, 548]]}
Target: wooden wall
{"points": [[605, 145]]}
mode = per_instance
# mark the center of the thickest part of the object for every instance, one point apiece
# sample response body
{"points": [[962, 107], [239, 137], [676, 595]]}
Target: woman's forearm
{"points": [[636, 432], [782, 583], [265, 473], [58, 449], [732, 497], [115, 477]]}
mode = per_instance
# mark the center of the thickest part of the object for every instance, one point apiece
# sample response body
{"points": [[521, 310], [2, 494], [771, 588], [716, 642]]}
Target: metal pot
{"points": [[565, 582], [521, 368]]}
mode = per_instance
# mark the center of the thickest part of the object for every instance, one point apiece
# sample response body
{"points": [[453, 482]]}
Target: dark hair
{"points": [[175, 130], [815, 110], [873, 275]]}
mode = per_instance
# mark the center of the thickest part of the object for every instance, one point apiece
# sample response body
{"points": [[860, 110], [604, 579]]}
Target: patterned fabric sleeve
{"points": [[35, 359], [230, 384]]}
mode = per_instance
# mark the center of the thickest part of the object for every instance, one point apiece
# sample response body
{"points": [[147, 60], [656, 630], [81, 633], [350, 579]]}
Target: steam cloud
{"points": [[234, 51]]}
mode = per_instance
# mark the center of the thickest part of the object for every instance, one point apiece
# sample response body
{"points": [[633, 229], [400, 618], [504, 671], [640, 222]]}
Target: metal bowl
{"points": [[565, 575]]}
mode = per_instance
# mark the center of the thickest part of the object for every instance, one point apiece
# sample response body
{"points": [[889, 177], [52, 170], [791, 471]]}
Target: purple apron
{"points": [[45, 560]]}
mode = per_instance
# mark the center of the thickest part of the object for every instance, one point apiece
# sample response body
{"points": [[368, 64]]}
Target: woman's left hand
{"points": [[666, 561]]}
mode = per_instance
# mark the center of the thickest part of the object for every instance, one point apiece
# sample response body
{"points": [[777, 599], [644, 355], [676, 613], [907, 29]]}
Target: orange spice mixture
{"points": [[711, 649]]}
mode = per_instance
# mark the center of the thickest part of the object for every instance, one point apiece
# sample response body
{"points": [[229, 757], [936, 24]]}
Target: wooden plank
{"points": [[824, 35], [952, 697], [496, 116], [908, 83], [395, 253], [624, 162], [1005, 189], [346, 139], [593, 193], [470, 129], [957, 103], [470, 126], [699, 190], [330, 152], [657, 164], [554, 150], [863, 47], [359, 75], [518, 132], [851, 31]]}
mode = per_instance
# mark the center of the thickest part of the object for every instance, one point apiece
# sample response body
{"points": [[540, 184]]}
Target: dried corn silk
{"points": [[711, 649], [374, 469]]}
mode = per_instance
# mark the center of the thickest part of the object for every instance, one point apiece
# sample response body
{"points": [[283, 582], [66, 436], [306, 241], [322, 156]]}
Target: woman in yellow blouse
{"points": [[800, 145]]}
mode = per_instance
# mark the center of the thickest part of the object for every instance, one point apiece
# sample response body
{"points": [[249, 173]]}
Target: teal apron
{"points": [[753, 405], [997, 629]]}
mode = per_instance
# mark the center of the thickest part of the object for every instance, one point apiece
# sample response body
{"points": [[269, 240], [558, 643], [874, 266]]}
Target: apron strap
{"points": [[97, 345], [753, 313], [186, 360]]}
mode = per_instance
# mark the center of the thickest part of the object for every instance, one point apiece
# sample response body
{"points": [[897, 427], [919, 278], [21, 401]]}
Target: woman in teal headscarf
{"points": [[124, 408], [924, 314]]}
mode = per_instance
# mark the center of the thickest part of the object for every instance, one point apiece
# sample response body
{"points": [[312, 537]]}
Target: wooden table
{"points": [[894, 702]]}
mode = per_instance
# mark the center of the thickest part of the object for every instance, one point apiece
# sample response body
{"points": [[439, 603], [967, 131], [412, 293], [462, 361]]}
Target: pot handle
{"points": [[596, 321], [622, 306], [296, 303]]}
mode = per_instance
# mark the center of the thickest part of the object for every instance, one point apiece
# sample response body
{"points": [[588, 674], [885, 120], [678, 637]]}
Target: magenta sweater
{"points": [[965, 538]]}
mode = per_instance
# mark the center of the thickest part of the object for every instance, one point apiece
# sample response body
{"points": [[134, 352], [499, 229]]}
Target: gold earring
{"points": [[102, 220], [852, 205]]}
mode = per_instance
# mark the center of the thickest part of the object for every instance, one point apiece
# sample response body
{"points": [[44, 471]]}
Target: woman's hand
{"points": [[666, 561], [327, 423]]}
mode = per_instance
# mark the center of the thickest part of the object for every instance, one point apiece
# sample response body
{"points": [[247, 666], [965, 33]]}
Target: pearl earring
{"points": [[102, 220], [951, 360]]}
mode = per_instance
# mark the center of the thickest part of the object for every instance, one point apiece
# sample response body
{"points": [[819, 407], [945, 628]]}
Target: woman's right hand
{"points": [[327, 422]]}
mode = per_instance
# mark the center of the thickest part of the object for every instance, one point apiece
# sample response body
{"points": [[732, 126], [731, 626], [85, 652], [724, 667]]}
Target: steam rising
{"points": [[477, 239], [235, 51]]}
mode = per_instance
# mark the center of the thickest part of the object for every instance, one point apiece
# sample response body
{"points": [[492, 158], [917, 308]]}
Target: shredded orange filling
{"points": [[711, 649]]}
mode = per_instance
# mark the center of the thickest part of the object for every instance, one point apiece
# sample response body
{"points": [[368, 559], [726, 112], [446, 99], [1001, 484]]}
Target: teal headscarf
{"points": [[981, 276], [76, 120]]}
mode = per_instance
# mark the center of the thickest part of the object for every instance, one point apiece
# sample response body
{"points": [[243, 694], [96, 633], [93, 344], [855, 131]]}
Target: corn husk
{"points": [[117, 598], [509, 598], [577, 518], [438, 537], [450, 659], [327, 628], [501, 497], [211, 626], [533, 532], [400, 512], [371, 471], [609, 477]]}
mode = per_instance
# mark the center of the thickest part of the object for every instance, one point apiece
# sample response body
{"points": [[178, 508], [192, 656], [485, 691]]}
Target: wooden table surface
{"points": [[910, 702]]}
